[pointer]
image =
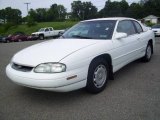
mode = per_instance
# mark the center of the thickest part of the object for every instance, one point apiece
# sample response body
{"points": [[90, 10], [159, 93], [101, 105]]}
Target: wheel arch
{"points": [[108, 58], [151, 42], [41, 34]]}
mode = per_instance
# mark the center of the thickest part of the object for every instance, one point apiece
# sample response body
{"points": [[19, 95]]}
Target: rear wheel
{"points": [[148, 54], [19, 40], [97, 76], [7, 41]]}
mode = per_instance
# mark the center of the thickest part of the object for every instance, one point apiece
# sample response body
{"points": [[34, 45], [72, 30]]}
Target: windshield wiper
{"points": [[82, 37]]}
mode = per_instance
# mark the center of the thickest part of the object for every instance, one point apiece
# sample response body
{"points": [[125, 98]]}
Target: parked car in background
{"points": [[47, 32], [2, 39], [16, 37], [87, 55], [62, 32], [156, 29]]}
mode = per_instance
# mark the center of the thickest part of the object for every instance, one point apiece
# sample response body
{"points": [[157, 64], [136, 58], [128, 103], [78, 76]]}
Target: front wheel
{"points": [[97, 76], [148, 54]]}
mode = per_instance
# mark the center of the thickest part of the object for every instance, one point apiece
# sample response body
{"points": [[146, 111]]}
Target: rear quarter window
{"points": [[126, 26], [138, 27]]}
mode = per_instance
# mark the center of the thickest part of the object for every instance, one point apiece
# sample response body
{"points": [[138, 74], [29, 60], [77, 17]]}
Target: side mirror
{"points": [[120, 35]]}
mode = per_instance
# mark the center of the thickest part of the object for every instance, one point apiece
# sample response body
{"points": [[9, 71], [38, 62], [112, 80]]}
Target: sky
{"points": [[34, 4]]}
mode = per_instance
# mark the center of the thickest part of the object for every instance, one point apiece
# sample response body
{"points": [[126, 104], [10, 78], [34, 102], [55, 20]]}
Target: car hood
{"points": [[50, 51]]}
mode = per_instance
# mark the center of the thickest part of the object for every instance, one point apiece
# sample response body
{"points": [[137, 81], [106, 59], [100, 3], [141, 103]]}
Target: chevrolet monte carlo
{"points": [[85, 56]]}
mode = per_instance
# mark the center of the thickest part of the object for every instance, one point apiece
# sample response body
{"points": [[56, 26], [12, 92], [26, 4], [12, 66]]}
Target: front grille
{"points": [[21, 67]]}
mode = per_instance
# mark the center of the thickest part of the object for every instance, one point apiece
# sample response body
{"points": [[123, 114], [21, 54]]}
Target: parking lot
{"points": [[133, 95]]}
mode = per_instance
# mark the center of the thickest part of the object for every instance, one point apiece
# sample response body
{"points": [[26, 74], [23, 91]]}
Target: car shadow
{"points": [[50, 97]]}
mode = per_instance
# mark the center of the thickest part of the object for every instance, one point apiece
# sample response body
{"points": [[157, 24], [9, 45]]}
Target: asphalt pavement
{"points": [[133, 95]]}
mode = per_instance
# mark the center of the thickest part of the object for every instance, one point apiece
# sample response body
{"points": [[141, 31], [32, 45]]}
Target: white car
{"points": [[156, 30], [47, 32], [87, 55]]}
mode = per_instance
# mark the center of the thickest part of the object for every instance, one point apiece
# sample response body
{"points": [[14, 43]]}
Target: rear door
{"points": [[142, 35], [125, 49]]}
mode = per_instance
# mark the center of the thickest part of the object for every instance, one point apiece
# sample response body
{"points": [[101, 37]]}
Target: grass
{"points": [[28, 30]]}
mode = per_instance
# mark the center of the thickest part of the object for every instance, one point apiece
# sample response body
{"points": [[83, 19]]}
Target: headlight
{"points": [[50, 68]]}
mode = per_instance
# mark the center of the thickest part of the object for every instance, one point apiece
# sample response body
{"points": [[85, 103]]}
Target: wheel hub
{"points": [[100, 75], [149, 52]]}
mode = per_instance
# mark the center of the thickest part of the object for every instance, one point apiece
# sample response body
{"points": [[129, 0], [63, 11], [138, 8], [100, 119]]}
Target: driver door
{"points": [[47, 32], [125, 49]]}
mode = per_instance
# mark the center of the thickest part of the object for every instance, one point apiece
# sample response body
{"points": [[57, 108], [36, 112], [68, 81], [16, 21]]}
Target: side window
{"points": [[126, 26], [138, 27], [46, 30], [80, 30], [50, 29]]}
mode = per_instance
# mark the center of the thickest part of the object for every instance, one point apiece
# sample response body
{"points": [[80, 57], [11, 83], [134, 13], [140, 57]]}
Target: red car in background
{"points": [[17, 37]]}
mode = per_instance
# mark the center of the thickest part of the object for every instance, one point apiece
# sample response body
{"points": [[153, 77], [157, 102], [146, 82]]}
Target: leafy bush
{"points": [[30, 22], [149, 23], [8, 25]]}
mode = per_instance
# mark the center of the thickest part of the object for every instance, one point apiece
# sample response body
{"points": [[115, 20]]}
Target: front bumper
{"points": [[53, 82], [3, 40], [32, 38], [157, 33]]}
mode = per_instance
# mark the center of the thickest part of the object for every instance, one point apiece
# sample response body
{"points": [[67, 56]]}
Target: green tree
{"points": [[56, 13], [52, 13], [152, 7], [3, 15], [30, 21], [11, 15], [135, 11], [77, 10], [89, 10], [83, 10], [32, 15], [61, 12], [124, 7], [114, 9], [41, 14]]}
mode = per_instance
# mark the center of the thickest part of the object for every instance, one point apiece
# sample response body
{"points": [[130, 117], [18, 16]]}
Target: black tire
{"points": [[92, 85], [148, 54], [41, 37], [59, 34], [7, 41]]}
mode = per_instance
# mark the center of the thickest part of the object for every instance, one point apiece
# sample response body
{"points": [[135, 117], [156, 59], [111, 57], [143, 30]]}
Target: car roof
{"points": [[48, 27], [111, 18]]}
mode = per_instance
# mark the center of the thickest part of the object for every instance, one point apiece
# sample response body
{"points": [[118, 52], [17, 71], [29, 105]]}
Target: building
{"points": [[2, 21], [152, 19]]}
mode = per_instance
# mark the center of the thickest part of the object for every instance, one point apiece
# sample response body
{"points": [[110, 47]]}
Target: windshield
{"points": [[100, 29], [41, 30], [156, 26]]}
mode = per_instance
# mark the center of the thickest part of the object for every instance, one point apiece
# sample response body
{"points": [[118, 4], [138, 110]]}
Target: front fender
{"points": [[83, 57]]}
